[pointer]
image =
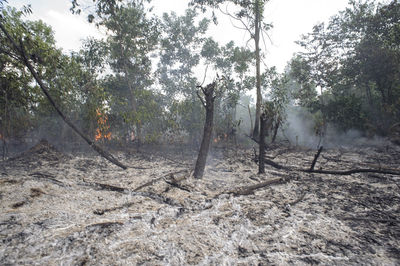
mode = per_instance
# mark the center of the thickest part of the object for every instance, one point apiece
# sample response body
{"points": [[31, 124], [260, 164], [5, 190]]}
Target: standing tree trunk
{"points": [[276, 128], [257, 30], [263, 123], [208, 104]]}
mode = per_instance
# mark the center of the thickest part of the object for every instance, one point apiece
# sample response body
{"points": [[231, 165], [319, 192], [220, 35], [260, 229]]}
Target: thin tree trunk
{"points": [[208, 126], [251, 120], [276, 128], [261, 158], [20, 49], [258, 71], [132, 99]]}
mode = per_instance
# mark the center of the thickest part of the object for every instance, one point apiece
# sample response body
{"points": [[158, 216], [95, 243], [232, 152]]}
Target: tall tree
{"points": [[180, 53], [132, 37], [354, 60], [250, 15]]}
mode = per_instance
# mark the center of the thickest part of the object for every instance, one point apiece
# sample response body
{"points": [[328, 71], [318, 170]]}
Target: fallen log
{"points": [[367, 219], [353, 171], [169, 175], [250, 189], [47, 177], [151, 195], [332, 172]]}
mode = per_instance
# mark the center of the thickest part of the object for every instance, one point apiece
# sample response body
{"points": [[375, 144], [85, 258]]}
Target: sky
{"points": [[290, 19]]}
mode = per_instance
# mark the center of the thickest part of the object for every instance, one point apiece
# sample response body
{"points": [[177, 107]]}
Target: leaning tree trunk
{"points": [[20, 49], [208, 104]]}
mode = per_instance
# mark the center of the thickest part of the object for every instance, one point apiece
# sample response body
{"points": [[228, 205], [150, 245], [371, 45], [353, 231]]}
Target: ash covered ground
{"points": [[77, 209]]}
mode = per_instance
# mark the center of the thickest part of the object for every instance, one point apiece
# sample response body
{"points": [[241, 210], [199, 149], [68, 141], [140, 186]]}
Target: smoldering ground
{"points": [[63, 208]]}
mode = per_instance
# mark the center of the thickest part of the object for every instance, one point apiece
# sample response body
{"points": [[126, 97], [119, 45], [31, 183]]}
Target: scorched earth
{"points": [[77, 209]]}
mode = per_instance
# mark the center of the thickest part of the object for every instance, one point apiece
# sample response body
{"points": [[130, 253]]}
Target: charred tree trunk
{"points": [[208, 104], [276, 128], [257, 29], [263, 122], [21, 51], [251, 121]]}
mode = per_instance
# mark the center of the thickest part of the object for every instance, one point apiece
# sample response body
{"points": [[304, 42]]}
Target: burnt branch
{"points": [[171, 176], [332, 172], [315, 159], [159, 198], [367, 219], [250, 189]]}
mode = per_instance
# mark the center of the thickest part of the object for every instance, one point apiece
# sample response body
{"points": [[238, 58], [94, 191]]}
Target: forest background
{"points": [[139, 82]]}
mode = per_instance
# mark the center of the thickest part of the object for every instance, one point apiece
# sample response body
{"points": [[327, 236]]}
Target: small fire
{"points": [[221, 137], [102, 132]]}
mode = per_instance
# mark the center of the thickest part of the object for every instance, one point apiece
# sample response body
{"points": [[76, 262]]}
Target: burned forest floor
{"points": [[77, 209]]}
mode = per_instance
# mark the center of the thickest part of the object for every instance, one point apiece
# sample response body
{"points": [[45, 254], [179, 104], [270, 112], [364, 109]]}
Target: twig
{"points": [[151, 195], [48, 177], [298, 200], [152, 182]]}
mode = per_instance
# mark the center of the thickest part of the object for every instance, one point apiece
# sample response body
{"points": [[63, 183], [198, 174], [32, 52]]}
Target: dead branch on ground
{"points": [[250, 189], [332, 172], [367, 219], [47, 177], [169, 175], [151, 195]]}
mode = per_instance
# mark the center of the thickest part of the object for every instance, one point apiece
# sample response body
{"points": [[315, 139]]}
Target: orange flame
{"points": [[102, 132]]}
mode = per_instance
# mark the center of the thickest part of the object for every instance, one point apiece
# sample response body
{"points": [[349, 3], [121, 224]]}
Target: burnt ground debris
{"points": [[52, 213]]}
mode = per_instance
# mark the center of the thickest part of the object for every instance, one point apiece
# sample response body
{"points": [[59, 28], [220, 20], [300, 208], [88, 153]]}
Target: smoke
{"points": [[299, 129]]}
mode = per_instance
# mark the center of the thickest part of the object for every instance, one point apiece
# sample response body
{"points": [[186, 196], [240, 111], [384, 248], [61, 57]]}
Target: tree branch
{"points": [[201, 99], [20, 49], [315, 159]]}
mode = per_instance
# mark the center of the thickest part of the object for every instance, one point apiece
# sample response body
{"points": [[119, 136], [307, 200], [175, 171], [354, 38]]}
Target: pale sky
{"points": [[290, 18]]}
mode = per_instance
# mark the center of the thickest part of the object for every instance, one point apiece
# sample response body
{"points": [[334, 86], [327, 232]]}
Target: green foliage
{"points": [[20, 97], [355, 60], [179, 53], [346, 112]]}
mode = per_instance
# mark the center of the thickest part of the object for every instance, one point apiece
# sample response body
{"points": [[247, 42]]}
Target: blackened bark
{"points": [[276, 128], [208, 104], [261, 158], [257, 30], [315, 159]]}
